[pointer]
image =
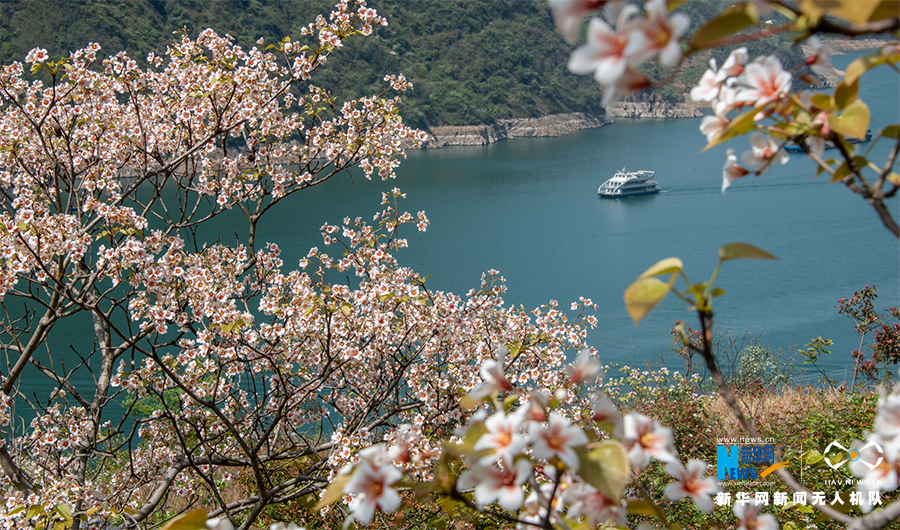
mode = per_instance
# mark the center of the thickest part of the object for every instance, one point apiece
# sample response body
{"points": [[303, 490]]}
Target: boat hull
{"points": [[627, 194]]}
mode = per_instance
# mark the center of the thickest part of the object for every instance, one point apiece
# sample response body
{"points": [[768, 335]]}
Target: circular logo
{"points": [[852, 455]]}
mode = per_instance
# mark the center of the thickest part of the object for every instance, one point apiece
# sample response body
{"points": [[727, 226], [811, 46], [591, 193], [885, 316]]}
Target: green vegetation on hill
{"points": [[471, 61]]}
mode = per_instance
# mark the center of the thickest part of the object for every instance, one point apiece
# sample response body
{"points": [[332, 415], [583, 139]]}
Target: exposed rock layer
{"points": [[652, 109], [552, 125]]}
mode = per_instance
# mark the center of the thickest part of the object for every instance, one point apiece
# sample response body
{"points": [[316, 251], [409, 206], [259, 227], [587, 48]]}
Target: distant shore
{"points": [[553, 124], [560, 124]]}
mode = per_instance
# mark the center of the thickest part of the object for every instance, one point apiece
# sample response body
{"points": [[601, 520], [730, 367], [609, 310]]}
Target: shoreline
{"points": [[552, 125]]}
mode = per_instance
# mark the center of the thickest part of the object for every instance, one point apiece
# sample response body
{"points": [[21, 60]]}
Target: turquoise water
{"points": [[528, 207]]}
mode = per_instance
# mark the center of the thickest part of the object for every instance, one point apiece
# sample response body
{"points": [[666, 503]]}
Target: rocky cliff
{"points": [[553, 125], [652, 109]]}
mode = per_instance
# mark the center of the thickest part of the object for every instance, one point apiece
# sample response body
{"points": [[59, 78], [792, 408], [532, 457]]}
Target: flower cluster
{"points": [[543, 460], [734, 86], [613, 55], [108, 172]]}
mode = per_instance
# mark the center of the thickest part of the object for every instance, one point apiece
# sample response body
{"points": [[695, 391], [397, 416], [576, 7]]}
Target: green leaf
{"points": [[34, 510], [643, 295], [729, 22], [346, 308], [742, 251], [195, 520], [862, 65], [854, 11], [666, 266], [718, 291], [334, 492], [742, 124], [476, 431], [891, 131], [467, 403], [853, 122], [845, 171], [845, 94], [642, 507], [65, 511], [606, 468], [814, 457], [823, 101]]}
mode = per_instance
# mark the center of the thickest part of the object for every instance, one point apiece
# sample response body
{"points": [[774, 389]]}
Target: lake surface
{"points": [[528, 207]]}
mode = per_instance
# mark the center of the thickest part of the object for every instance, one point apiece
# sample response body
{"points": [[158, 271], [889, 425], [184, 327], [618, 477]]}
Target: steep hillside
{"points": [[472, 61]]}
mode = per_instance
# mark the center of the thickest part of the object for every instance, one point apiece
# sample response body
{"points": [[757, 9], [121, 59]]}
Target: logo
{"points": [[851, 455], [741, 462]]}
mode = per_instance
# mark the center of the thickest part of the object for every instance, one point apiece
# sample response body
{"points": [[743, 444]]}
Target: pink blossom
{"points": [[645, 438], [604, 53], [632, 79], [712, 125], [495, 484], [372, 486], [887, 416], [503, 437], [876, 463], [733, 65], [585, 500], [691, 483], [659, 33], [731, 170], [764, 151], [763, 82], [604, 410], [820, 60], [568, 15], [557, 438], [494, 380], [36, 55], [707, 88], [585, 369]]}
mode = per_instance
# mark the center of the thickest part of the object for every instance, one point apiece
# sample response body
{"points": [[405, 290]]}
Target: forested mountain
{"points": [[472, 61]]}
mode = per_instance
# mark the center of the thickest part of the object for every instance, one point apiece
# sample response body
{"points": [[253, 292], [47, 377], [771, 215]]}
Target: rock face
{"points": [[652, 109], [552, 125]]}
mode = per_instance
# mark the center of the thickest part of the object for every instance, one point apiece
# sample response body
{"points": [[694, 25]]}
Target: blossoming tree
{"points": [[217, 376]]}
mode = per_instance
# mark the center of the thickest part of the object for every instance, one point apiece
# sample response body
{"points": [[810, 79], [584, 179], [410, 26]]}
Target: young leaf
{"points": [[643, 507], [891, 131], [666, 266], [729, 22], [643, 295], [845, 170], [853, 122], [605, 467], [742, 251], [334, 492], [823, 101], [195, 520], [863, 65], [845, 93], [736, 127]]}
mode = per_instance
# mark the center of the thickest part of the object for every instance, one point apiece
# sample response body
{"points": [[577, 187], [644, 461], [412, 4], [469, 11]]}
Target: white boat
{"points": [[629, 184]]}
